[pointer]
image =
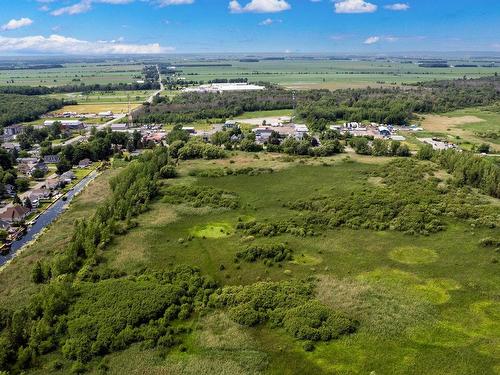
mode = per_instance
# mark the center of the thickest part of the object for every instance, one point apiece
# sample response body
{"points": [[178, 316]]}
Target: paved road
{"points": [[151, 98]]}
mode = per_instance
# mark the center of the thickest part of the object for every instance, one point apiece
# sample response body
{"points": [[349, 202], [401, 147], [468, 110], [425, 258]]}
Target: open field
{"points": [[96, 108], [408, 288], [102, 97], [73, 73], [425, 304], [329, 74], [472, 125]]}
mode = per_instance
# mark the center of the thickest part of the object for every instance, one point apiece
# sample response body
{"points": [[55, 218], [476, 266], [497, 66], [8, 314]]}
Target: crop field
{"points": [[100, 97], [73, 74], [329, 74], [425, 304]]}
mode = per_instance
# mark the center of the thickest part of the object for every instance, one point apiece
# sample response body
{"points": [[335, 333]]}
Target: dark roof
{"points": [[14, 213]]}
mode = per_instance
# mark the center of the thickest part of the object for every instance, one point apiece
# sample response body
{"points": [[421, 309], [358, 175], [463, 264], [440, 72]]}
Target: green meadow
{"points": [[423, 304], [330, 74], [426, 304]]}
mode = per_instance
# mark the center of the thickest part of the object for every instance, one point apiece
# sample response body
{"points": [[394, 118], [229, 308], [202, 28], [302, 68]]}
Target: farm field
{"points": [[425, 304], [471, 125], [73, 73], [96, 108], [101, 97], [329, 74]]}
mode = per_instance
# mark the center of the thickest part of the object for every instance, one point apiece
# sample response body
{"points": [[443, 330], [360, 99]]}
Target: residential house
{"points": [[15, 214], [67, 177], [38, 195], [27, 160], [84, 163], [12, 130], [11, 146], [41, 166], [52, 183], [51, 159]]}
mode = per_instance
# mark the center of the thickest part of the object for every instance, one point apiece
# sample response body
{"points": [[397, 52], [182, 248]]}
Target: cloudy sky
{"points": [[183, 26]]}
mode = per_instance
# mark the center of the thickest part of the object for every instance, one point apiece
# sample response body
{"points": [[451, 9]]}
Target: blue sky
{"points": [[190, 26]]}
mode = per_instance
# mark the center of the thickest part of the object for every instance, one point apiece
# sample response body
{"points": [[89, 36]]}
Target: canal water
{"points": [[46, 218]]}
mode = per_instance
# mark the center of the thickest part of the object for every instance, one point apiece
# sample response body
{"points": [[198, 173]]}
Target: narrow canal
{"points": [[46, 218]]}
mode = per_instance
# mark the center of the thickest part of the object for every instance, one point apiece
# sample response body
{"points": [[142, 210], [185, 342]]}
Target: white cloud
{"points": [[86, 5], [398, 6], [266, 22], [164, 3], [259, 6], [372, 40], [78, 8], [66, 45], [16, 24], [354, 6]]}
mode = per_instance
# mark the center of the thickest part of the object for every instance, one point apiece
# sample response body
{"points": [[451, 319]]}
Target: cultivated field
{"points": [[75, 74], [328, 74]]}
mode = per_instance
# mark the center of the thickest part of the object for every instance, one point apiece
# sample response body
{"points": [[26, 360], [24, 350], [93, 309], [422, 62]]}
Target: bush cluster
{"points": [[410, 202], [200, 196], [286, 304], [270, 254], [221, 172], [291, 226]]}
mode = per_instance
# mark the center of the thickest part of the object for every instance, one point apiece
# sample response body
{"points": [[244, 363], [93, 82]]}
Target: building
{"points": [[38, 195], [119, 127], [67, 177], [51, 159], [384, 131], [222, 87], [52, 183], [11, 146], [399, 138], [67, 124], [15, 214], [189, 129], [262, 133], [84, 163], [105, 114], [300, 131], [231, 124], [12, 130]]}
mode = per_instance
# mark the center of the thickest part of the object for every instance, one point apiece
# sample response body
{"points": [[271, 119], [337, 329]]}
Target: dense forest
{"points": [[44, 90], [382, 105], [19, 108], [188, 107]]}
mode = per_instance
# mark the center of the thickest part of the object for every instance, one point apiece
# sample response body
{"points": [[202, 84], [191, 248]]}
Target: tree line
{"points": [[19, 108]]}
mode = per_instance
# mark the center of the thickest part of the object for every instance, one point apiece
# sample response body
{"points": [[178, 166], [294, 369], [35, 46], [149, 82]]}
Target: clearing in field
{"points": [[96, 108], [437, 123]]}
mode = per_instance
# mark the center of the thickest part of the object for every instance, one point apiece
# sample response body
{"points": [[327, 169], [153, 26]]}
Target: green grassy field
{"points": [[466, 127], [425, 304], [330, 74], [73, 73]]}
